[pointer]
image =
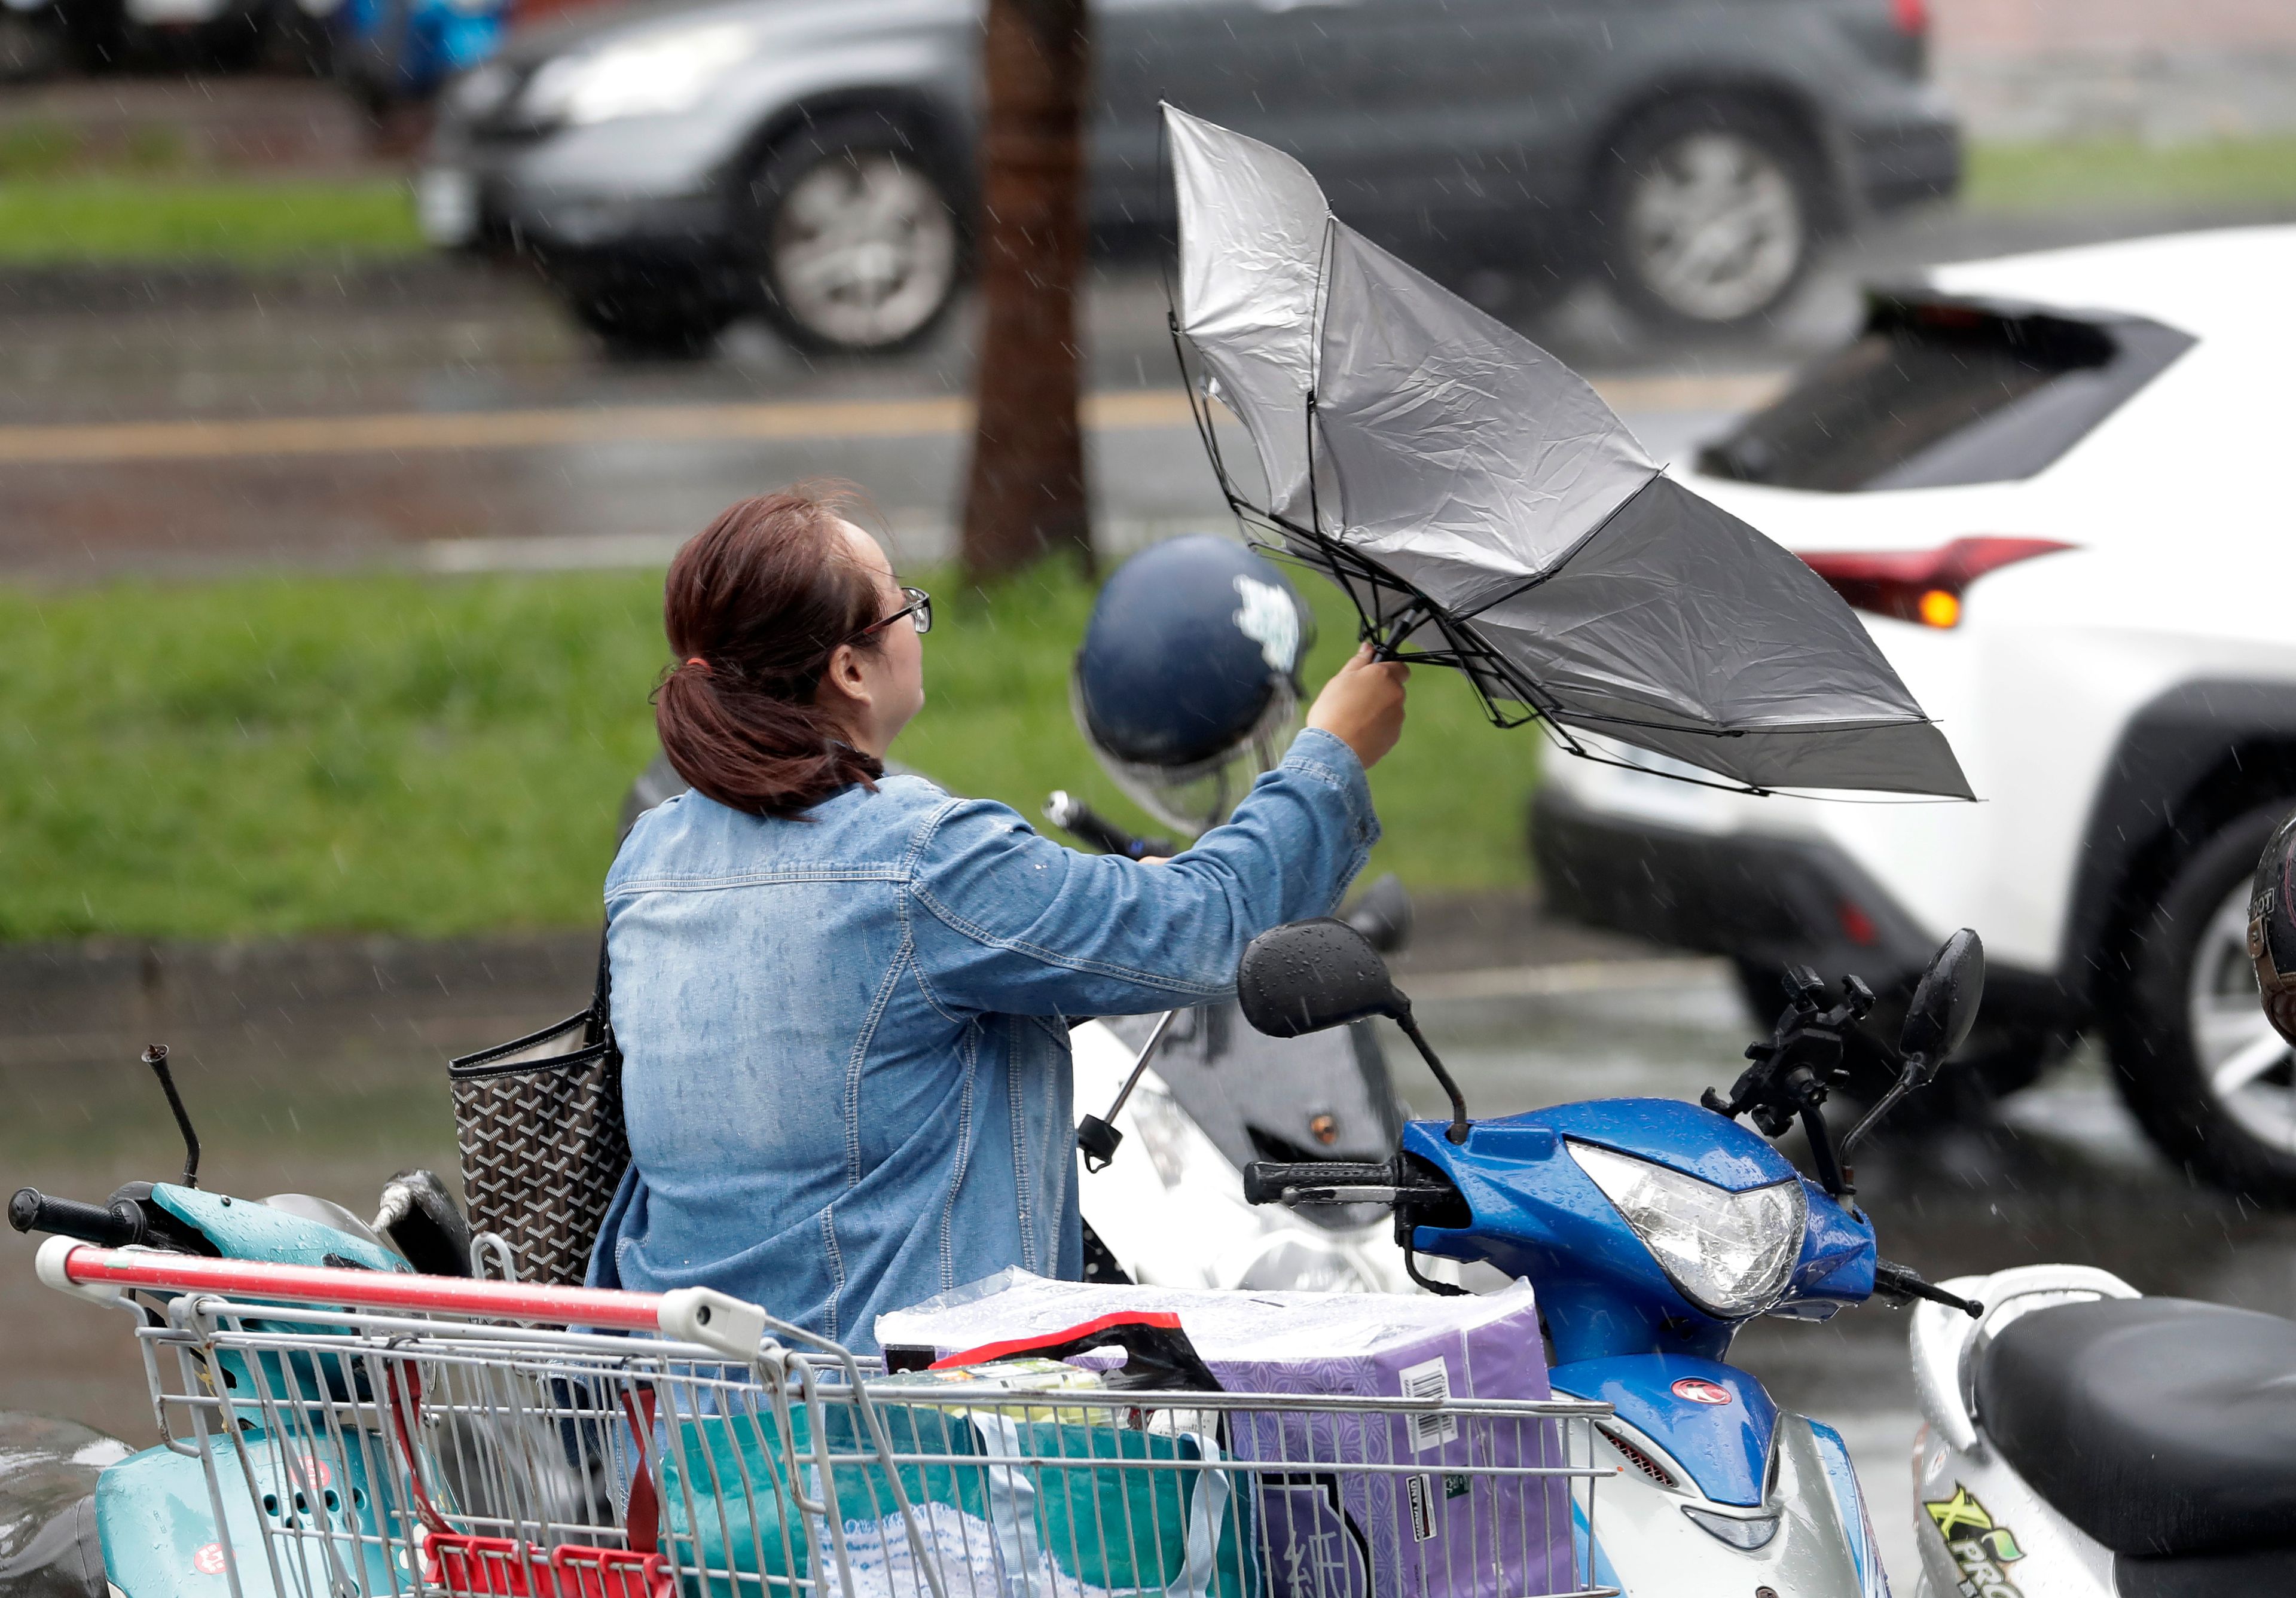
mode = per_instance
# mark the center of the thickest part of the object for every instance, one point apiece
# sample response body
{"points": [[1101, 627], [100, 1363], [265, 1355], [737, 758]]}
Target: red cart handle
{"points": [[693, 1315]]}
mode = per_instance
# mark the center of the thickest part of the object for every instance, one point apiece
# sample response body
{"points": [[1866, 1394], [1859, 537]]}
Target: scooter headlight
{"points": [[1728, 1253]]}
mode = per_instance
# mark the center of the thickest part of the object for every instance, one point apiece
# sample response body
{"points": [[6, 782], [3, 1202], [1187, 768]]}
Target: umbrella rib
{"points": [[1592, 533]]}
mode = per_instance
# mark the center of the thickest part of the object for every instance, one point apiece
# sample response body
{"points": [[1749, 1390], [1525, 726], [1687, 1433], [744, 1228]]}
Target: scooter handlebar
{"points": [[120, 1226], [1319, 1182], [1096, 832]]}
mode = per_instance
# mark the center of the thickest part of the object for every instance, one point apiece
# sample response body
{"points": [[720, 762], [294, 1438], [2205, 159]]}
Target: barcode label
{"points": [[1421, 1490], [1431, 1379]]}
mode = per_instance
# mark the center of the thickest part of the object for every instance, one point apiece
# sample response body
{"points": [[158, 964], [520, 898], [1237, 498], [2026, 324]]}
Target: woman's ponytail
{"points": [[754, 606]]}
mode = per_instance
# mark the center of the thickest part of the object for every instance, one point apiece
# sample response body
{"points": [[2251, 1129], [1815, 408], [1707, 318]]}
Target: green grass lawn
{"points": [[54, 210], [2105, 173], [50, 220], [284, 755]]}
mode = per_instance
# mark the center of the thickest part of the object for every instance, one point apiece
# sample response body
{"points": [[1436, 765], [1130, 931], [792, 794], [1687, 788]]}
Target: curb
{"points": [[433, 282], [124, 987]]}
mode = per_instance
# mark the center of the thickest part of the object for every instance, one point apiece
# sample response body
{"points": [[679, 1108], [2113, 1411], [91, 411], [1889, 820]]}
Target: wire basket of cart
{"points": [[358, 1434]]}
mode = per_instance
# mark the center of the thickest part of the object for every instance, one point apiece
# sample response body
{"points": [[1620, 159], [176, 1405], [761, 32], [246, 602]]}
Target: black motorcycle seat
{"points": [[2158, 1426]]}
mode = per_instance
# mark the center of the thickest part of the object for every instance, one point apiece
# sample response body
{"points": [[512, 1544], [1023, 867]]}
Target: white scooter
{"points": [[2084, 1441], [1193, 1096]]}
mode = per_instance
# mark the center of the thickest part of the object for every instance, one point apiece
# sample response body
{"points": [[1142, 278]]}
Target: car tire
{"points": [[1710, 213], [2195, 1061], [666, 314], [854, 235], [32, 48]]}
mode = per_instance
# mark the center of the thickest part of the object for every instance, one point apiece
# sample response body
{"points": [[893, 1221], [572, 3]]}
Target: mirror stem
{"points": [[1401, 1016], [156, 1057], [1887, 1102]]}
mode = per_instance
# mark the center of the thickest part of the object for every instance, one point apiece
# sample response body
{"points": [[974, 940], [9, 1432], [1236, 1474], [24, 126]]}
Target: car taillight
{"points": [[1911, 16], [1921, 585]]}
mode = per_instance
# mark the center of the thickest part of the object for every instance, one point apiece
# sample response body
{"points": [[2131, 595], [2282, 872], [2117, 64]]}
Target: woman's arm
{"points": [[1005, 919]]}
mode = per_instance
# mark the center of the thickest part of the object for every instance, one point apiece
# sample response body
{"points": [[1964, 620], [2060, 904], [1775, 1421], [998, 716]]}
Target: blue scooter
{"points": [[152, 1531], [1653, 1229]]}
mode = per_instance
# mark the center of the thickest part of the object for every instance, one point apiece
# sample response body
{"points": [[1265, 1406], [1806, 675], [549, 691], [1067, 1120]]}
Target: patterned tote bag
{"points": [[539, 1123]]}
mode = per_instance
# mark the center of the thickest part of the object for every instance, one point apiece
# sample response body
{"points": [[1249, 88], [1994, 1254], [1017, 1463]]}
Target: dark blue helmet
{"points": [[1187, 683]]}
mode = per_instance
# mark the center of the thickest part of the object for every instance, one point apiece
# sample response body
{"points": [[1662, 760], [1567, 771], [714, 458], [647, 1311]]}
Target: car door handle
{"points": [[1280, 7]]}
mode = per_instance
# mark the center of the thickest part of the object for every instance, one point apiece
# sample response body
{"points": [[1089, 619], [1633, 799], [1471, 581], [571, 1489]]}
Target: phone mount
{"points": [[1791, 1074]]}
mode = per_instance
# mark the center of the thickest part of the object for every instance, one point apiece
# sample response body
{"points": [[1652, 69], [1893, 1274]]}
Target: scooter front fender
{"points": [[1646, 1546]]}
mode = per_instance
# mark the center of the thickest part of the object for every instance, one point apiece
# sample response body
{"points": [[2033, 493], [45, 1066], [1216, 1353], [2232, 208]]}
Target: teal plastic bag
{"points": [[1100, 1510]]}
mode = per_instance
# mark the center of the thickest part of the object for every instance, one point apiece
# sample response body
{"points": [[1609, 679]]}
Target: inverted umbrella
{"points": [[1485, 509]]}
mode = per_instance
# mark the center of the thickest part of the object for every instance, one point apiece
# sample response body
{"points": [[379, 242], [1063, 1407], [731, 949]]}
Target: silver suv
{"points": [[674, 165]]}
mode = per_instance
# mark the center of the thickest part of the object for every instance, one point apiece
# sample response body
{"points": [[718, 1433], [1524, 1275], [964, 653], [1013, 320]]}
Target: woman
{"points": [[843, 999]]}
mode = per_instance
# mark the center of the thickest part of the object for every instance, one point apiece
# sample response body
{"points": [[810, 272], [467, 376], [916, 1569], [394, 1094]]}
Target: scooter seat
{"points": [[2158, 1426]]}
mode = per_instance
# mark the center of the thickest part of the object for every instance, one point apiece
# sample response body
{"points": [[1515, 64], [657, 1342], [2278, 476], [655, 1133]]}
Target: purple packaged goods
{"points": [[1353, 1504]]}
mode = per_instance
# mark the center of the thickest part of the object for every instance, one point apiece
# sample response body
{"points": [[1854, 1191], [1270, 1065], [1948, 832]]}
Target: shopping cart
{"points": [[361, 1434]]}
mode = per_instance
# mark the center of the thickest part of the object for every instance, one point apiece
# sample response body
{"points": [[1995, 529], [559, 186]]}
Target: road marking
{"points": [[416, 432]]}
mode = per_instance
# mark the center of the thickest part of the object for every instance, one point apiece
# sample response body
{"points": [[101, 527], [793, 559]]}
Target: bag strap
{"points": [[601, 998], [642, 1511]]}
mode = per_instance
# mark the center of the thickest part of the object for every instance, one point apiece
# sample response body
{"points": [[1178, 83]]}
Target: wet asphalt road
{"points": [[451, 419], [467, 426]]}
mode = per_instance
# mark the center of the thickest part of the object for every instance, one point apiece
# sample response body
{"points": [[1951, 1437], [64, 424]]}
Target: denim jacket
{"points": [[845, 1039]]}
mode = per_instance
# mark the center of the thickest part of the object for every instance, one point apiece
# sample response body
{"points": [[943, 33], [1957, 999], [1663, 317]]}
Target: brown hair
{"points": [[755, 604]]}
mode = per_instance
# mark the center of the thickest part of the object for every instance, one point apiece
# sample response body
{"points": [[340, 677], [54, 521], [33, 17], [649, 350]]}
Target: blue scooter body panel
{"points": [[240, 1230], [1674, 1133], [156, 1522], [1537, 1213], [1725, 1447]]}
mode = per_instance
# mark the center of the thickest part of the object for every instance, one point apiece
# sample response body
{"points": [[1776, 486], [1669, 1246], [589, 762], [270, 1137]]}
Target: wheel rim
{"points": [[1715, 226], [864, 249], [2247, 1068]]}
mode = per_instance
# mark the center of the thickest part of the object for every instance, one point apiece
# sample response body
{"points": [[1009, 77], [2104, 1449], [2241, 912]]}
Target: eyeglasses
{"points": [[919, 610]]}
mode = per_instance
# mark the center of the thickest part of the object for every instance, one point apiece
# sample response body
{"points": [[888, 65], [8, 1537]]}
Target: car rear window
{"points": [[1938, 390]]}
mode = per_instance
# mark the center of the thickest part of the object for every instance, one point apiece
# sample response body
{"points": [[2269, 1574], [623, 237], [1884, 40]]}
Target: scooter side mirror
{"points": [[1310, 976], [1946, 1001], [1937, 1021]]}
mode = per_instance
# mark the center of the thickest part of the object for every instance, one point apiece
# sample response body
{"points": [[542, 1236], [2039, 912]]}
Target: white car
{"points": [[2051, 486]]}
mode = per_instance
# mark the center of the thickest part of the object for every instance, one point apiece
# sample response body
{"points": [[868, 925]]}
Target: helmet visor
{"points": [[1195, 798]]}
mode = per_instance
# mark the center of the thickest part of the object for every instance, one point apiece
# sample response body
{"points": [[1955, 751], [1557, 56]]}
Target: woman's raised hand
{"points": [[1362, 705]]}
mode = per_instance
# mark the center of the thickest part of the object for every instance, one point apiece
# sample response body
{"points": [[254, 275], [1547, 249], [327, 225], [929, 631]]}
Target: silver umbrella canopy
{"points": [[1486, 510]]}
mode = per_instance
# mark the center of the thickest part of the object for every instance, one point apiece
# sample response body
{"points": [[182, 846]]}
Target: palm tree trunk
{"points": [[1027, 494]]}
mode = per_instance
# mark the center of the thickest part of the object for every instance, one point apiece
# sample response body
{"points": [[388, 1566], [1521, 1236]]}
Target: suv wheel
{"points": [[1709, 212], [855, 237], [2211, 1083]]}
